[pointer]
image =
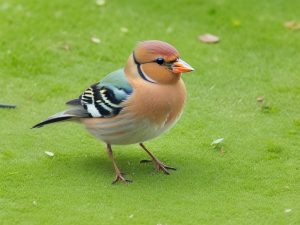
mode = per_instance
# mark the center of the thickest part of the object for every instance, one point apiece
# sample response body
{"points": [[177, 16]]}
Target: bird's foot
{"points": [[120, 177], [159, 165]]}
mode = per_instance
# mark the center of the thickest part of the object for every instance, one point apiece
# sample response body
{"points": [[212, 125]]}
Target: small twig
{"points": [[7, 106]]}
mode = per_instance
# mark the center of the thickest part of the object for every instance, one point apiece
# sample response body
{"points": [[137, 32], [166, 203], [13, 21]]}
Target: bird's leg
{"points": [[119, 175], [158, 164]]}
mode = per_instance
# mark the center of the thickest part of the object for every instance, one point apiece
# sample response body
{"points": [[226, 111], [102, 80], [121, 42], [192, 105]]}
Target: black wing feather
{"points": [[103, 101]]}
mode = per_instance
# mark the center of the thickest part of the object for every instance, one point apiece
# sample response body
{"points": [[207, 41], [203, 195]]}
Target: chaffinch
{"points": [[133, 104]]}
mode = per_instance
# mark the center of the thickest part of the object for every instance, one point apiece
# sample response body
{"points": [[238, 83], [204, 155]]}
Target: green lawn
{"points": [[47, 57]]}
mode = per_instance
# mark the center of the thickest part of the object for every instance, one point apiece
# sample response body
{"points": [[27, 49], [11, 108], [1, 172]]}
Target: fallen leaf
{"points": [[100, 2], [209, 38], [124, 29], [51, 154], [292, 25], [260, 98], [95, 40], [217, 141]]}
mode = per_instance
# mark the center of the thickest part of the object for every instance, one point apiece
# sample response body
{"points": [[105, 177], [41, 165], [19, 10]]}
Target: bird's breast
{"points": [[161, 104]]}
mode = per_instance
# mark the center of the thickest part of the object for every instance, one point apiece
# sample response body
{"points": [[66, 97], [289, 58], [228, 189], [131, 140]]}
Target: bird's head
{"points": [[158, 62]]}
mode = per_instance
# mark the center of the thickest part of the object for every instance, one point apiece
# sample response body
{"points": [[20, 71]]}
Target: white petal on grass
{"points": [[51, 154], [124, 29], [95, 40], [209, 38], [100, 2], [217, 141], [288, 210]]}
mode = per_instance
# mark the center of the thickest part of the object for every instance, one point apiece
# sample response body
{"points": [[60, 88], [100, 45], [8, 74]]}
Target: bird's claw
{"points": [[162, 167], [119, 177], [159, 165]]}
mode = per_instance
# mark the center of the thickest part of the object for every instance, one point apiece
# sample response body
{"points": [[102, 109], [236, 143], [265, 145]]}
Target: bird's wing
{"points": [[104, 98]]}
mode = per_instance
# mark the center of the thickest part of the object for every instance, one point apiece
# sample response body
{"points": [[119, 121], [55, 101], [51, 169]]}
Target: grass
{"points": [[255, 179]]}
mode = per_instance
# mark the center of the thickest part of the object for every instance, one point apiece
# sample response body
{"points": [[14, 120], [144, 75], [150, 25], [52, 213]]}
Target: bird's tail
{"points": [[73, 113]]}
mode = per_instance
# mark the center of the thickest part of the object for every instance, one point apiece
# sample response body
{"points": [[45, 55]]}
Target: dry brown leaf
{"points": [[209, 38], [260, 98], [292, 25]]}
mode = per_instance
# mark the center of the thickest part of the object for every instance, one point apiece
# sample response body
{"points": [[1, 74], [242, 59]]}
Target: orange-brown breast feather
{"points": [[158, 103]]}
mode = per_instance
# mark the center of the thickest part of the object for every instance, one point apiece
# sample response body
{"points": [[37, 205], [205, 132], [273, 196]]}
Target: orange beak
{"points": [[181, 66]]}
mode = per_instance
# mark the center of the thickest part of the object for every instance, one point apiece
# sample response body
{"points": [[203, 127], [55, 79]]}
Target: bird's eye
{"points": [[160, 61]]}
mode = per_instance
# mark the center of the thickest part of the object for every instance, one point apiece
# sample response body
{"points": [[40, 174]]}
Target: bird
{"points": [[133, 104]]}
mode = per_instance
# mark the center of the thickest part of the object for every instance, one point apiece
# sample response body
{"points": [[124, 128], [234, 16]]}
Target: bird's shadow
{"points": [[99, 167]]}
